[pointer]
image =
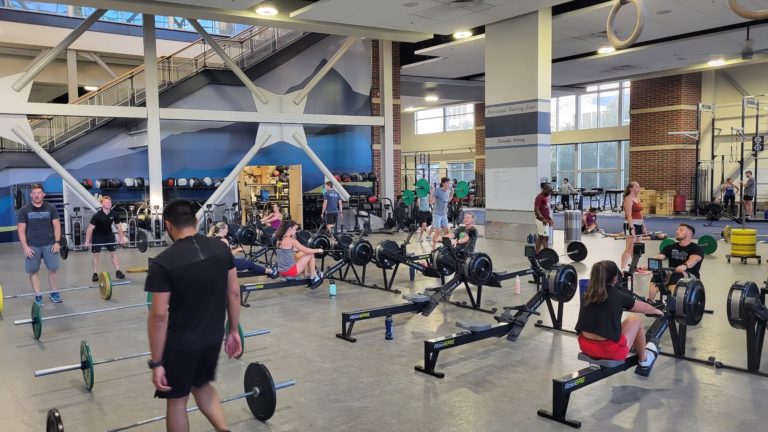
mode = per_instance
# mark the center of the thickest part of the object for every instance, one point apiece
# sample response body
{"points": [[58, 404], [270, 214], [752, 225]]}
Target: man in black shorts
{"points": [[194, 288], [465, 237], [425, 216], [100, 231], [332, 207], [684, 257]]}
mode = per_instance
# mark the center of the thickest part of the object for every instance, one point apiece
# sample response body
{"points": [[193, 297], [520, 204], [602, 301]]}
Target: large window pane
{"points": [[460, 122], [625, 106], [625, 144], [553, 159], [588, 180], [588, 111], [570, 175], [429, 126], [566, 113], [609, 108], [609, 155], [553, 115], [588, 153], [565, 157], [459, 109], [430, 113], [609, 180]]}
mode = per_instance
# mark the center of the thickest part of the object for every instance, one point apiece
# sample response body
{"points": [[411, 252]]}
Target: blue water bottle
{"points": [[332, 289], [388, 328]]}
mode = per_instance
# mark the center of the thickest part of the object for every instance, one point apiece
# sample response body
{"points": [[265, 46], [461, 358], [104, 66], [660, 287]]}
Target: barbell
{"points": [[87, 362], [422, 189], [105, 289], [547, 257], [260, 392], [707, 242], [36, 316], [141, 244]]}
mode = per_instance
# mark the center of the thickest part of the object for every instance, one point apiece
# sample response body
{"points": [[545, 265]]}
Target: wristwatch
{"points": [[57, 241], [154, 364]]}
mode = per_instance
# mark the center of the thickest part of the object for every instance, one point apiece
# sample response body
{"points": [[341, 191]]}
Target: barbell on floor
{"points": [[547, 257], [260, 392], [87, 363], [105, 289], [37, 318], [141, 243], [422, 190]]}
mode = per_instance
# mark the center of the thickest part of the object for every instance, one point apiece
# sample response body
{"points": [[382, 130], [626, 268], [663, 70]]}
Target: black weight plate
{"points": [[86, 363], [303, 237], [687, 301], [64, 248], [547, 258], [444, 260], [53, 422], [478, 268], [267, 237], [561, 282], [246, 236], [37, 321], [142, 242], [360, 252], [737, 296], [320, 241], [263, 402], [577, 251], [384, 250]]}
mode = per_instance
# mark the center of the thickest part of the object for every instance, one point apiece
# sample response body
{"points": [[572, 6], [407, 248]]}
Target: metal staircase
{"points": [[245, 49]]}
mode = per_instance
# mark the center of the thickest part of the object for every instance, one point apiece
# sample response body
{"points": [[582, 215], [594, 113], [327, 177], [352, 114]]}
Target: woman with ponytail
{"points": [[220, 230], [602, 334]]}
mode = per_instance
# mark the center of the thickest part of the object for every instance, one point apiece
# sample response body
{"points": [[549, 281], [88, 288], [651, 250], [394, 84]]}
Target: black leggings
{"points": [[729, 199], [244, 264]]}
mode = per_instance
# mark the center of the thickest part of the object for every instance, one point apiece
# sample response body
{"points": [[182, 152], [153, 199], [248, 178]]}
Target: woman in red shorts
{"points": [[303, 263], [602, 334]]}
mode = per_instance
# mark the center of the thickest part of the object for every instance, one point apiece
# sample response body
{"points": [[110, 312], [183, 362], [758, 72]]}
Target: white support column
{"points": [[154, 153], [49, 56], [72, 75], [348, 42], [387, 108], [232, 177], [81, 192], [302, 140], [230, 64]]}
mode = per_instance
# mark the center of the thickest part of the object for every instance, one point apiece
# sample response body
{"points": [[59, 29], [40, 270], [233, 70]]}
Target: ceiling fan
{"points": [[748, 52]]}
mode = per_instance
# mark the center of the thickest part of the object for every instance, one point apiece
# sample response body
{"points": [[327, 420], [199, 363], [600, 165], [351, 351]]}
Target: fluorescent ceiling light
{"points": [[431, 98], [266, 9], [606, 50], [90, 88], [410, 109], [462, 34], [716, 62]]}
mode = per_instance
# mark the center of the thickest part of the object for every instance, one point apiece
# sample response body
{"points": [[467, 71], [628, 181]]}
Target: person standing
{"points": [[425, 215], [39, 232], [439, 201], [332, 206], [634, 224], [100, 232], [566, 189], [543, 216], [749, 194], [729, 195], [194, 288]]}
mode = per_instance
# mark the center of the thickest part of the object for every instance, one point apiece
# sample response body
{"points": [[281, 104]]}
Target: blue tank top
{"points": [[729, 192]]}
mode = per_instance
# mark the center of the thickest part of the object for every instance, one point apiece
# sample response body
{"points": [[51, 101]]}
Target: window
{"points": [[588, 111], [461, 171], [590, 165], [625, 103], [446, 119], [609, 108], [431, 171], [605, 105], [566, 113]]}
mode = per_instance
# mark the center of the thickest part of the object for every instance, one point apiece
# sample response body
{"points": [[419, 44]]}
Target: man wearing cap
{"points": [[684, 258]]}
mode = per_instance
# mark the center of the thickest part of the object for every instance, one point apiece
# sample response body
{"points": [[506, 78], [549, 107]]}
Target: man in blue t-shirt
{"points": [[331, 207], [439, 200]]}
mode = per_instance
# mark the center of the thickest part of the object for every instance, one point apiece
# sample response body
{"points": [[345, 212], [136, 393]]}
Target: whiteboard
{"points": [[511, 188]]}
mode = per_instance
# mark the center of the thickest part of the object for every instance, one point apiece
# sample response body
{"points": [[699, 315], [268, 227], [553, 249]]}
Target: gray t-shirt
{"points": [[749, 188], [39, 223], [441, 201], [423, 204], [333, 201]]}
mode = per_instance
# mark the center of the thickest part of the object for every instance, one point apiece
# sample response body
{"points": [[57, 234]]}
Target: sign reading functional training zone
{"points": [[758, 143]]}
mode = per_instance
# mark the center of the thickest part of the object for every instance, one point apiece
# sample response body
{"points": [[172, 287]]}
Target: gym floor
{"points": [[490, 385]]}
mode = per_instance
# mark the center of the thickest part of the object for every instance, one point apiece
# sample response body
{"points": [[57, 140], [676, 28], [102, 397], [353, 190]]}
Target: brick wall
{"points": [[660, 168], [377, 131], [480, 148]]}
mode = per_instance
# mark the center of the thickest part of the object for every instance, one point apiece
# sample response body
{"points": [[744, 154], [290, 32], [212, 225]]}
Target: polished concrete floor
{"points": [[490, 385]]}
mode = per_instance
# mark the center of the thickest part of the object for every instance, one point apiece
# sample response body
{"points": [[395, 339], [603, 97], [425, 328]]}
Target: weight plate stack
{"points": [[743, 242]]}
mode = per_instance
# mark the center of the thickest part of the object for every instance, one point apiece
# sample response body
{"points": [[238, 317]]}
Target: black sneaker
{"points": [[95, 277], [119, 274], [274, 274]]}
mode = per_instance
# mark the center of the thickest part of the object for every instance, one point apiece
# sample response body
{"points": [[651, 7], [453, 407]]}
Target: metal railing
{"points": [[245, 49]]}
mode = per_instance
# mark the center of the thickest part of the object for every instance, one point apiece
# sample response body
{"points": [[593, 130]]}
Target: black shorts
{"points": [[184, 370], [97, 249], [425, 217], [331, 218], [665, 278], [638, 229], [748, 198]]}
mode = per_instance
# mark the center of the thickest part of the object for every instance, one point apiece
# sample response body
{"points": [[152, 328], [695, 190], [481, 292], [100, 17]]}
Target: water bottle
{"points": [[517, 285], [332, 289], [412, 273], [388, 328]]}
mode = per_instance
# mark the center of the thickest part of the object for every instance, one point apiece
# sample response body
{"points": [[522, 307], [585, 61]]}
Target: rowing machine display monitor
{"points": [[530, 251], [654, 264]]}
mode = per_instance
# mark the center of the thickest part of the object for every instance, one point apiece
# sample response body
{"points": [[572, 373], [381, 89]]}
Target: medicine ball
{"points": [[170, 182], [182, 182], [345, 177], [207, 181], [275, 173], [97, 184], [87, 184], [371, 176], [354, 177], [140, 183], [373, 199], [129, 182], [193, 182], [363, 176], [217, 181], [115, 183], [337, 177]]}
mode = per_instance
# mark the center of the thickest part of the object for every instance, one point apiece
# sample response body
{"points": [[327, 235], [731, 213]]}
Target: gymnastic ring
{"points": [[612, 38], [746, 13]]}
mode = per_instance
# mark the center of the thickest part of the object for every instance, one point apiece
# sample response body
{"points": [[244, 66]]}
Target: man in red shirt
{"points": [[543, 217]]}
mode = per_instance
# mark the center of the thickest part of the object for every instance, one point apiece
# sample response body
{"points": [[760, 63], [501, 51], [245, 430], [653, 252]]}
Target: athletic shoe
{"points": [[95, 277], [274, 274], [429, 238], [316, 280], [651, 354], [119, 274], [56, 297], [39, 300]]}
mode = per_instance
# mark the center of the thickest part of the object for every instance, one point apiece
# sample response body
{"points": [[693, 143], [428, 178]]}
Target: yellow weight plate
{"points": [[1, 299], [105, 285]]}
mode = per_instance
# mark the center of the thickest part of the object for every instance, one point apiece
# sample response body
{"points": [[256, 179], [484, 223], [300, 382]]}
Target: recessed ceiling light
{"points": [[431, 98], [716, 62], [462, 34], [266, 9], [90, 88], [606, 50], [410, 108]]}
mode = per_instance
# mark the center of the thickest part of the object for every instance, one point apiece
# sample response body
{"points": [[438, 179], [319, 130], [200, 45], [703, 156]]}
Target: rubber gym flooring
{"points": [[490, 385]]}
